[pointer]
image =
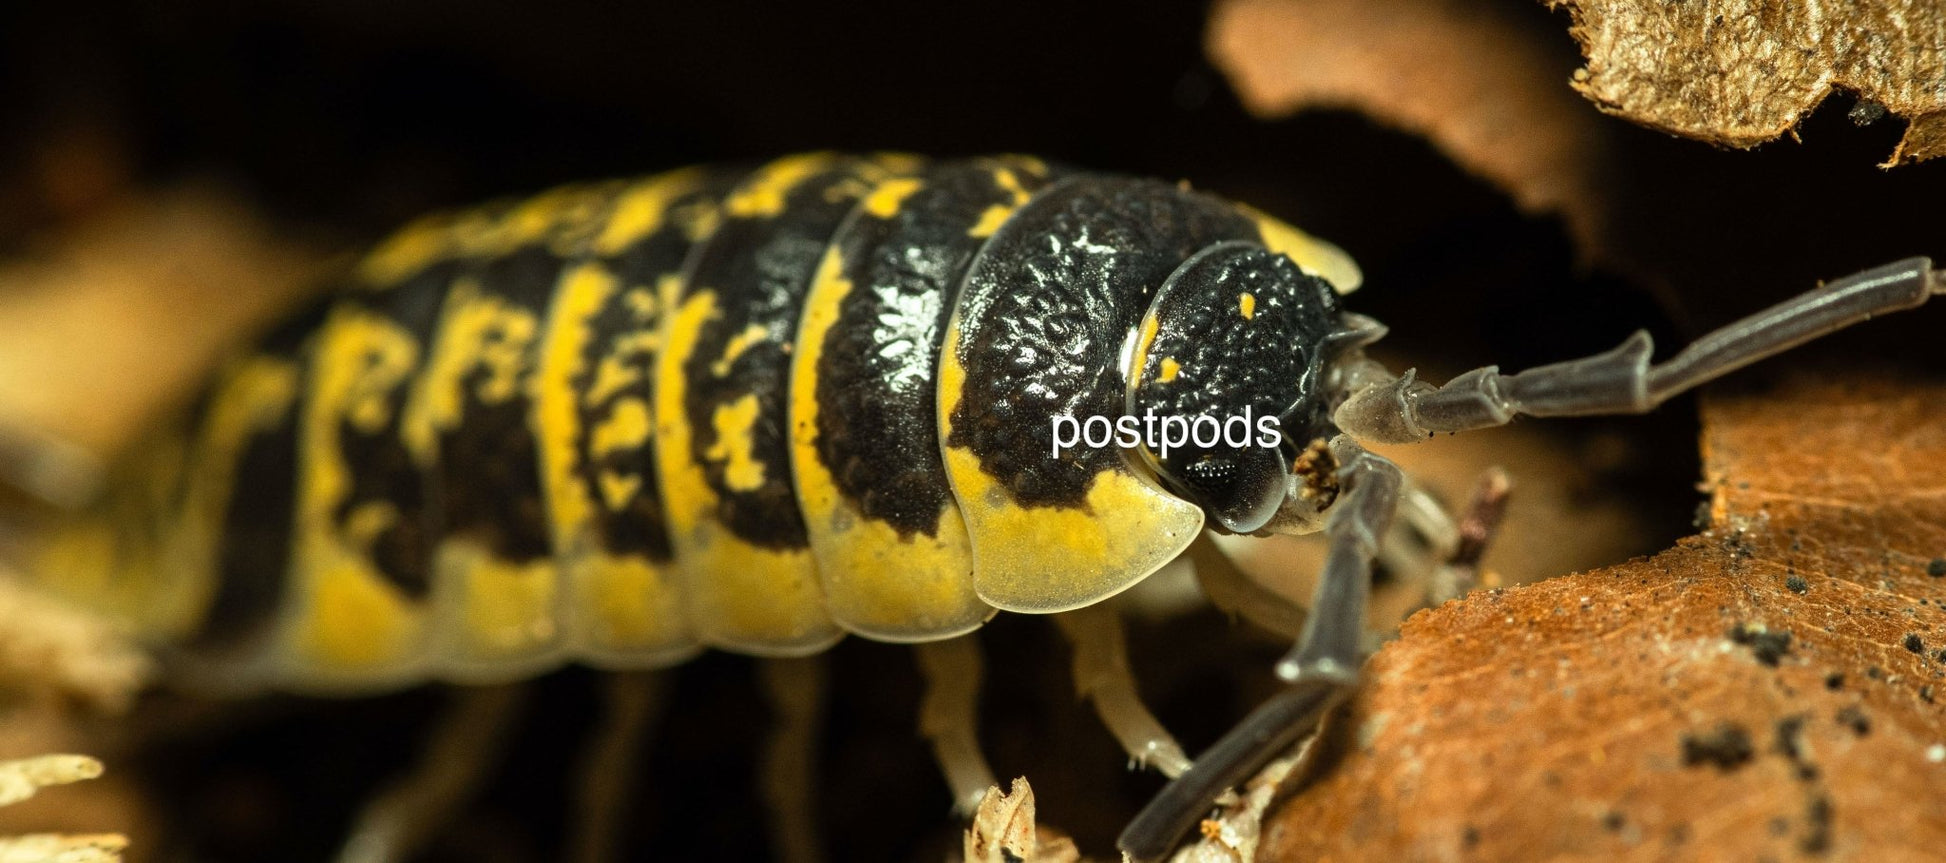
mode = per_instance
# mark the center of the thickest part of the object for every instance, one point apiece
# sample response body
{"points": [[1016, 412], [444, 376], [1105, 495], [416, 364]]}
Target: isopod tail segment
{"points": [[1374, 405]]}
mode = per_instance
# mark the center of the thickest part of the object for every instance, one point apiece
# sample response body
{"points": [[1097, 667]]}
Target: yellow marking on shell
{"points": [[735, 446], [1046, 559], [556, 418], [555, 217], [642, 303], [1169, 369], [1312, 255], [685, 491], [619, 366], [253, 395], [1010, 183], [884, 202], [622, 607], [757, 600], [763, 194], [355, 622], [1033, 164], [627, 427], [476, 332], [503, 609], [643, 209], [752, 335], [618, 490], [405, 253], [612, 375], [739, 596], [625, 607], [875, 582], [990, 220], [345, 618], [1247, 304], [702, 221], [996, 215]]}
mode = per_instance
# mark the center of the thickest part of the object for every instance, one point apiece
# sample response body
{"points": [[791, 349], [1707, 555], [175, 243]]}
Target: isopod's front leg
{"points": [[1101, 675], [1622, 381], [1321, 669]]}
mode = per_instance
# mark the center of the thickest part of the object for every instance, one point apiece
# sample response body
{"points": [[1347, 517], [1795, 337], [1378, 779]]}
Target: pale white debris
{"points": [[59, 848], [20, 779], [1003, 831]]}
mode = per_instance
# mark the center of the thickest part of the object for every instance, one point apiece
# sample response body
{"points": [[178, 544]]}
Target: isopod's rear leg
{"points": [[1321, 669], [633, 700], [1101, 675], [949, 718], [401, 819], [1622, 381], [795, 688]]}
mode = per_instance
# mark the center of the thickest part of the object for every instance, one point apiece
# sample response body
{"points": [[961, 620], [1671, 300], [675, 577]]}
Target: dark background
{"points": [[340, 119]]}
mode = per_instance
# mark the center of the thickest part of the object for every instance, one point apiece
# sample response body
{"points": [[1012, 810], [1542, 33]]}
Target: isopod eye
{"points": [[1229, 352], [1242, 492]]}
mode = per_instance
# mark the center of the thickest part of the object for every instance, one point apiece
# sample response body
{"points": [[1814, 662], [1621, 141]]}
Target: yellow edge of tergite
{"points": [[1040, 560], [740, 597], [1312, 255], [494, 615], [620, 607], [345, 625], [499, 616], [253, 394], [876, 583]]}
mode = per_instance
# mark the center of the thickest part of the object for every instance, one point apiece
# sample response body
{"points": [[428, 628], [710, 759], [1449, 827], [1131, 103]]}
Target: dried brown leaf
{"points": [[1741, 72], [1771, 688], [1466, 76]]}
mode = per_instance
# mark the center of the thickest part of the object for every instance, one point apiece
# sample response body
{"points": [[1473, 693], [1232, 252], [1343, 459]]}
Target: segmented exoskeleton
{"points": [[748, 409], [759, 409]]}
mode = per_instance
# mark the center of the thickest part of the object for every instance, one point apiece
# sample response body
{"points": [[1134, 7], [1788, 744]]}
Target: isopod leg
{"points": [[400, 820], [949, 718], [633, 701], [1101, 675], [1322, 668], [795, 688]]}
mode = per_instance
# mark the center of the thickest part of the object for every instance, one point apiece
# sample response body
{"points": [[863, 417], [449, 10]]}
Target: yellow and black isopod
{"points": [[759, 409]]}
